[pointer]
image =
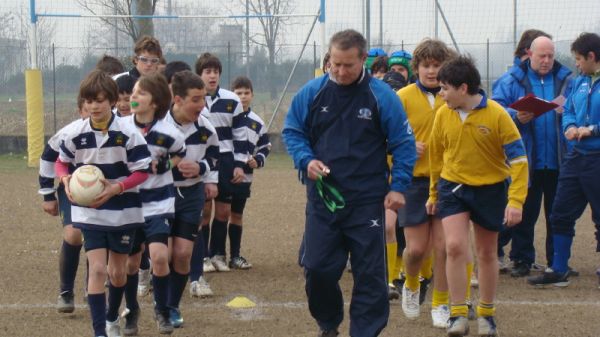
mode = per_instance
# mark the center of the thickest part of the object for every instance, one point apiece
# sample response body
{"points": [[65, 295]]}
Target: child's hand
{"points": [[238, 175], [188, 168], [110, 190], [252, 163], [50, 207], [210, 191]]}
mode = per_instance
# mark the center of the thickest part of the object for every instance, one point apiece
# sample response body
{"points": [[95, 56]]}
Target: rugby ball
{"points": [[85, 184]]}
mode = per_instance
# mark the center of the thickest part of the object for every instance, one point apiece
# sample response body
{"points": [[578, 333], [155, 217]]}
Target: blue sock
{"points": [[177, 284], [196, 265], [235, 240], [218, 238], [161, 292], [131, 291], [115, 296], [97, 304], [69, 261], [562, 252]]}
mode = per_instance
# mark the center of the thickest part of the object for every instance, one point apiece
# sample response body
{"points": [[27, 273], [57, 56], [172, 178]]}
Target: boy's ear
{"points": [[590, 55]]}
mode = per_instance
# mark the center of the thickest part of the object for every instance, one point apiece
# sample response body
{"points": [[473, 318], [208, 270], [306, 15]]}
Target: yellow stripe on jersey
{"points": [[420, 115], [476, 152]]}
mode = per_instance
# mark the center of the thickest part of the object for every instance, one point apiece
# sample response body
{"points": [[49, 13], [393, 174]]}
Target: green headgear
{"points": [[402, 58]]}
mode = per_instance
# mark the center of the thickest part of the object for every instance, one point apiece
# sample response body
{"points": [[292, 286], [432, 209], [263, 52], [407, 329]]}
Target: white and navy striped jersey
{"points": [[47, 174], [257, 144], [118, 152], [225, 113], [202, 146], [157, 192]]}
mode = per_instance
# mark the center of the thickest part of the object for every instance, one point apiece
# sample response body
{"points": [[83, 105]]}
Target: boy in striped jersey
{"points": [[150, 102], [224, 111], [109, 224], [258, 147], [472, 141], [72, 239], [195, 177]]}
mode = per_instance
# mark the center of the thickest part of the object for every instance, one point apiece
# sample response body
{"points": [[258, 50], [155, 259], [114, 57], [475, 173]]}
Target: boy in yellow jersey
{"points": [[472, 140], [421, 100]]}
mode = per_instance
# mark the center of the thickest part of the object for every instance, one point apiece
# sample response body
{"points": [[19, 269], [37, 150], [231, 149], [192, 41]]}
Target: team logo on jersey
{"points": [[325, 108], [484, 130], [83, 141], [365, 113], [160, 140], [203, 138], [253, 126], [119, 140], [408, 128], [375, 223], [229, 107], [125, 239]]}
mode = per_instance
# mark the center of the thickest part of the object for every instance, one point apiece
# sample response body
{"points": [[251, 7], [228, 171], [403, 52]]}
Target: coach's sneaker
{"points": [[239, 262], [131, 321], [410, 303], [550, 277], [486, 326], [458, 326], [144, 284], [220, 263], [207, 266], [520, 269], [504, 265], [393, 292], [113, 329], [163, 322], [66, 302], [440, 316], [200, 288], [175, 318], [328, 333]]}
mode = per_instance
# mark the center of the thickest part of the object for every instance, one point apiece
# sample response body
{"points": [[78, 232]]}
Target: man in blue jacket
{"points": [[338, 130], [578, 183], [546, 78]]}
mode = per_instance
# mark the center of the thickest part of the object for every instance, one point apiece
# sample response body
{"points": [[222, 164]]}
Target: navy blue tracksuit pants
{"points": [[543, 183], [328, 238]]}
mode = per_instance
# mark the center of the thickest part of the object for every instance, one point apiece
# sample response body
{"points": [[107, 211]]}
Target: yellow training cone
{"points": [[241, 302]]}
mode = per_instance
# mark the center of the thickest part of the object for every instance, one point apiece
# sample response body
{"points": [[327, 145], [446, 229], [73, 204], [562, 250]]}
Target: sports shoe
{"points": [[328, 333], [66, 302], [113, 329], [550, 277], [239, 262], [573, 272], [131, 321], [393, 293], [486, 326], [520, 269], [175, 318], [423, 287], [503, 265], [440, 315], [458, 326], [220, 263], [537, 267], [200, 288], [474, 280], [164, 323], [207, 266], [471, 311], [410, 303], [144, 284]]}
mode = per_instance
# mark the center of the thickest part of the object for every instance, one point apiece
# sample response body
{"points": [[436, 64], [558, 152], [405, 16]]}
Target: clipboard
{"points": [[534, 104]]}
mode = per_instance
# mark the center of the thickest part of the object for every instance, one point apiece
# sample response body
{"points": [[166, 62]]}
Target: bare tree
{"points": [[134, 28]]}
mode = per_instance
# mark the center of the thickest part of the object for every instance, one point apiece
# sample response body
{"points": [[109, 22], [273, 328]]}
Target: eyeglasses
{"points": [[148, 60], [331, 197]]}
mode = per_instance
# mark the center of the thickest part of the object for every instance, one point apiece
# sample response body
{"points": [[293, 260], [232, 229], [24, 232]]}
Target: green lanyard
{"points": [[332, 198]]}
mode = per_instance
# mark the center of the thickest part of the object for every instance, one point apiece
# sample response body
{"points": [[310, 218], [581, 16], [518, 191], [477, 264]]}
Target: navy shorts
{"points": [[485, 203], [225, 175], [120, 241], [238, 205], [416, 197], [189, 203], [155, 230], [64, 205]]}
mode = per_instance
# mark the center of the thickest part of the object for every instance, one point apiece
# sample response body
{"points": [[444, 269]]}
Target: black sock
{"points": [[206, 237], [218, 238], [131, 291], [161, 292], [97, 304], [145, 263], [196, 265], [177, 284], [115, 296], [235, 239], [69, 261]]}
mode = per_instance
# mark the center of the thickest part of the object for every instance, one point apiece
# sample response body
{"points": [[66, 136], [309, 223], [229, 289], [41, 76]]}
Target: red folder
{"points": [[534, 104]]}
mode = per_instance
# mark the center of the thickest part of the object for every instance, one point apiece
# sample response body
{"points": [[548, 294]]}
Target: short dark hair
{"points": [[98, 82], [183, 81], [175, 67], [110, 65], [380, 64], [585, 43], [526, 39], [458, 71], [149, 44], [125, 84], [347, 39], [242, 82], [157, 86], [430, 49], [208, 61]]}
